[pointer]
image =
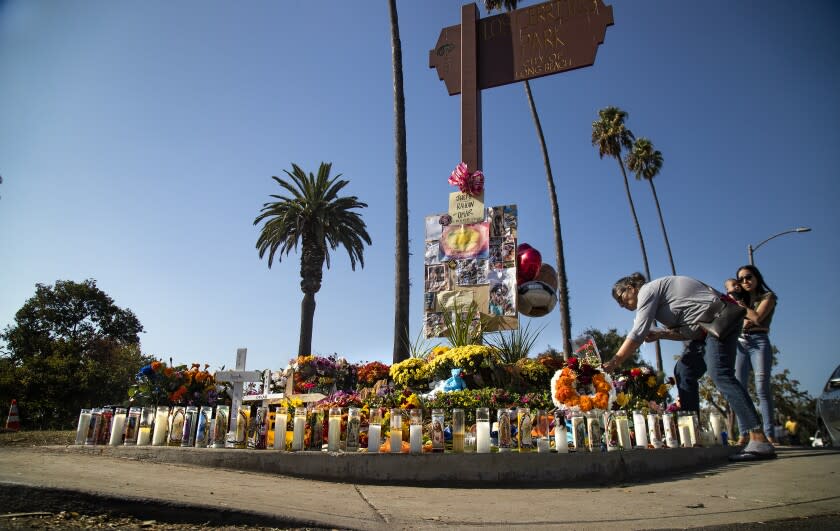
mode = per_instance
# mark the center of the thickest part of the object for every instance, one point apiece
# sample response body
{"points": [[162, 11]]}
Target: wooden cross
{"points": [[238, 377]]}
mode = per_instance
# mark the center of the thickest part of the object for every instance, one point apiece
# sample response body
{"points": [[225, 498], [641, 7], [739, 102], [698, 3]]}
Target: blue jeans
{"points": [[720, 356], [688, 370], [755, 353]]}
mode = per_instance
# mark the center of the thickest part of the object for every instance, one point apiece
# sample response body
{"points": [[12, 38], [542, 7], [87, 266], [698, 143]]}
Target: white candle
{"points": [[280, 421], [579, 433], [717, 426], [297, 434], [374, 430], [670, 431], [144, 436], [396, 440], [117, 429], [543, 446], [640, 428], [482, 437], [561, 442], [685, 436], [654, 431], [334, 435], [82, 429], [161, 426], [415, 436], [624, 433]]}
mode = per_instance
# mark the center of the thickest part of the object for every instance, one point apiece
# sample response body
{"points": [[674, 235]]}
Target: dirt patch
{"points": [[37, 438]]}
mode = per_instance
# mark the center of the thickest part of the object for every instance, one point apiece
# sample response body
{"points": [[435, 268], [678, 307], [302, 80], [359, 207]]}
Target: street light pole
{"points": [[751, 249]]}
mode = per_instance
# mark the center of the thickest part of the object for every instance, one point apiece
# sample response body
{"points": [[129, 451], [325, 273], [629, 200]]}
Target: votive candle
{"points": [[561, 440], [147, 420], [334, 434], [161, 426], [458, 430], [354, 423], [82, 428], [117, 427], [281, 419], [132, 425], [374, 431], [623, 425], [482, 430], [415, 435], [640, 429], [654, 430], [298, 429], [396, 430]]}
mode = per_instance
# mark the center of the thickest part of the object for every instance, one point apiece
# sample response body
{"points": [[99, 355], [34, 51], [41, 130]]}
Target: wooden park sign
{"points": [[523, 44]]}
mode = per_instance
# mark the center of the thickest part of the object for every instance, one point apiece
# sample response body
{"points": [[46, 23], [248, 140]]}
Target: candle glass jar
{"points": [[83, 426], [415, 434], [161, 426], [579, 433], [132, 426], [334, 430], [670, 430], [541, 424], [176, 426], [438, 426], [482, 430], [458, 430], [118, 427], [190, 422], [654, 430], [299, 429], [716, 425], [202, 428], [396, 430], [354, 423], [594, 431], [105, 422], [523, 429], [561, 437], [93, 426], [505, 436], [281, 421], [144, 432], [640, 429], [221, 425], [374, 431], [610, 431], [623, 424]]}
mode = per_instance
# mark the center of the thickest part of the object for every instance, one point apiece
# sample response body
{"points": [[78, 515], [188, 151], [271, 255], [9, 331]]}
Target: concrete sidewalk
{"points": [[800, 483]]}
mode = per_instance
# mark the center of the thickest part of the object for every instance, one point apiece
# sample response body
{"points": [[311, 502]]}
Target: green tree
{"points": [[562, 281], [402, 343], [611, 135], [314, 216], [646, 162], [70, 347]]}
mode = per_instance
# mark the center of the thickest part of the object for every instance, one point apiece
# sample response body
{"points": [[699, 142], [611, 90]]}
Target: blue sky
{"points": [[138, 141]]}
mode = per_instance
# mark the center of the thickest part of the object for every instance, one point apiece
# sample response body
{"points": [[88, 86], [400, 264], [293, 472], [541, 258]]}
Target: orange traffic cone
{"points": [[13, 420]]}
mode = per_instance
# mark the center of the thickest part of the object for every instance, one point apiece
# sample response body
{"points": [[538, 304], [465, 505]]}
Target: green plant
{"points": [[420, 347], [464, 326], [513, 345]]}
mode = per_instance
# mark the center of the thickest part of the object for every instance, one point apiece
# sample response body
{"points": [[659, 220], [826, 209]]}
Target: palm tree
{"points": [[562, 281], [401, 292], [317, 218], [611, 135], [646, 162]]}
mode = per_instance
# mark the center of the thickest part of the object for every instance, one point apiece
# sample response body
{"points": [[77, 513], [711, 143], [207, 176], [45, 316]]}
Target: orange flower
{"points": [[585, 403], [156, 366], [168, 371]]}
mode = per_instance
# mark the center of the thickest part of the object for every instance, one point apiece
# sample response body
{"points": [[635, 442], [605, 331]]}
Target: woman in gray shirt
{"points": [[678, 303]]}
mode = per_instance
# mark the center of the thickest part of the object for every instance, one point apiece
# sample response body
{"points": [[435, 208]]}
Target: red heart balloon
{"points": [[528, 263]]}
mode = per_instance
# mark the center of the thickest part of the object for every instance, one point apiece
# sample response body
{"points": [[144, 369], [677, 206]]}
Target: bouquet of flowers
{"points": [[314, 374], [641, 388], [581, 385], [372, 372], [159, 384]]}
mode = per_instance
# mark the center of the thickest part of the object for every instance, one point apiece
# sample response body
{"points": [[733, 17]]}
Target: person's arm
{"points": [[624, 352], [764, 308]]}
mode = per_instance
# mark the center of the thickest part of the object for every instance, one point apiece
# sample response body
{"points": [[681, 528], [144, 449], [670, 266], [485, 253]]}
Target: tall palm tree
{"points": [[316, 217], [401, 280], [646, 162], [610, 135], [562, 281]]}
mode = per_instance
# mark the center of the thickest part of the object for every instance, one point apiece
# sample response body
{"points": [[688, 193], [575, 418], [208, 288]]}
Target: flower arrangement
{"points": [[641, 388], [581, 386], [372, 372], [533, 372], [468, 182], [159, 384], [314, 374], [412, 373], [470, 358]]}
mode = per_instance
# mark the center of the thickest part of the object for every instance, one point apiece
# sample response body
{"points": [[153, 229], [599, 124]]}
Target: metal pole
{"points": [[751, 249], [750, 253]]}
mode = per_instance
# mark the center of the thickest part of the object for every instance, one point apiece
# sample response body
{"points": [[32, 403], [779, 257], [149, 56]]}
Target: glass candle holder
{"points": [[354, 423], [396, 430], [202, 428], [715, 423], [82, 427], [106, 420], [561, 440], [240, 433], [334, 430], [579, 433], [415, 435], [258, 429], [523, 429], [190, 425], [504, 432], [458, 430], [654, 430], [118, 426], [670, 430], [623, 425], [93, 426], [281, 421], [161, 428], [316, 429], [482, 430], [640, 429], [298, 429], [144, 432], [594, 431], [469, 441], [438, 425], [541, 425], [221, 425], [610, 431], [694, 428], [374, 431], [176, 426], [132, 426]]}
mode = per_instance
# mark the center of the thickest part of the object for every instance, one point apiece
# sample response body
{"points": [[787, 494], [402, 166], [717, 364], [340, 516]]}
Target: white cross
{"points": [[237, 378]]}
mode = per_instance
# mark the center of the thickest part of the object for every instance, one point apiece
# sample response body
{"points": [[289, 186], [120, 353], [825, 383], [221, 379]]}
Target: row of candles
{"points": [[514, 429]]}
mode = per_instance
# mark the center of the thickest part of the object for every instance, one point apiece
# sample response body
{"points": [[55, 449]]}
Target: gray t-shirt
{"points": [[676, 302]]}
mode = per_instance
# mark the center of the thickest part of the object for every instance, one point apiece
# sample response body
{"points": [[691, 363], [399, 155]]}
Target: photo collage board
{"points": [[473, 263]]}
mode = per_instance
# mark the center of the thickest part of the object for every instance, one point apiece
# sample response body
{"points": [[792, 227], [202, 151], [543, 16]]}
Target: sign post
{"points": [[527, 43]]}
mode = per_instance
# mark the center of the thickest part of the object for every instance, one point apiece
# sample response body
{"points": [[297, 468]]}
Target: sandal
{"points": [[751, 456]]}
